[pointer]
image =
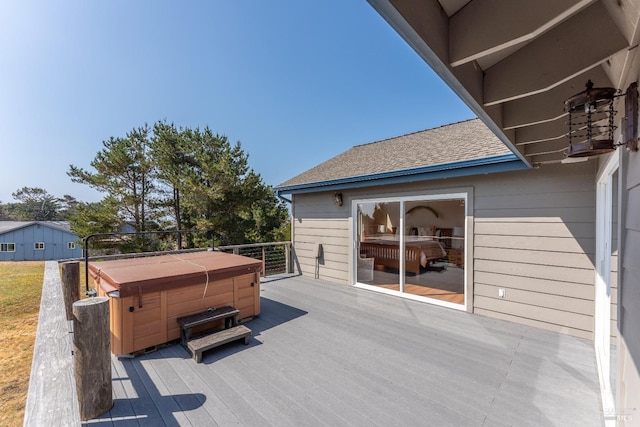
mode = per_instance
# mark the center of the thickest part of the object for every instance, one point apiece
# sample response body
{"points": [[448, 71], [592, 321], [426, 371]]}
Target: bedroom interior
{"points": [[431, 232]]}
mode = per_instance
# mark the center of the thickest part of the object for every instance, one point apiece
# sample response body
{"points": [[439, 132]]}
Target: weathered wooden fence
{"points": [[52, 398]]}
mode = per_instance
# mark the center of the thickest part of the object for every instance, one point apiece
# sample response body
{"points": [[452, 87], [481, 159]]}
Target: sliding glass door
{"points": [[379, 238], [434, 247], [413, 246]]}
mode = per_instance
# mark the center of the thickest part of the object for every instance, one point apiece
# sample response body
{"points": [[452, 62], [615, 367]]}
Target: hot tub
{"points": [[147, 294]]}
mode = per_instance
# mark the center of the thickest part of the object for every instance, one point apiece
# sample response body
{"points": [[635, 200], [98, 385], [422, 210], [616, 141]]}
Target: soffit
{"points": [[516, 62], [452, 6]]}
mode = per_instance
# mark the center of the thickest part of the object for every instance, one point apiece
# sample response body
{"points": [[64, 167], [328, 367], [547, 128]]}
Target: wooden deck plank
{"points": [[422, 387], [52, 398], [307, 403], [251, 397], [181, 379], [269, 410], [188, 404], [122, 411], [167, 405], [357, 397], [557, 343], [408, 337], [263, 378], [326, 354], [320, 346], [340, 399], [144, 408]]}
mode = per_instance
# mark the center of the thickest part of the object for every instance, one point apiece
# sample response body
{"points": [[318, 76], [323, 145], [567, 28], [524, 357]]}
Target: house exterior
{"points": [[515, 64], [37, 240], [523, 234]]}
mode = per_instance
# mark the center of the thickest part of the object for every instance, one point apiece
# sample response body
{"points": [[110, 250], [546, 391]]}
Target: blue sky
{"points": [[296, 82]]}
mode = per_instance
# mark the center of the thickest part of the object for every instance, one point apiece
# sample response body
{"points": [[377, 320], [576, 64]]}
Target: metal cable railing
{"points": [[275, 256]]}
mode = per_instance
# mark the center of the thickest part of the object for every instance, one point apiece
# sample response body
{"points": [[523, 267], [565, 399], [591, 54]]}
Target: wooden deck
{"points": [[52, 398], [325, 354]]}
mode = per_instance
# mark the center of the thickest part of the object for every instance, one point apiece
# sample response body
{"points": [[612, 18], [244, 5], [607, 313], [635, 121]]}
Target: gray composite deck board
{"points": [[326, 354]]}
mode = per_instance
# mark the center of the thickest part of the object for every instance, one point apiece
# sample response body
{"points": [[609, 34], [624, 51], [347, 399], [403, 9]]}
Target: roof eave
{"points": [[406, 31], [25, 224], [500, 163]]}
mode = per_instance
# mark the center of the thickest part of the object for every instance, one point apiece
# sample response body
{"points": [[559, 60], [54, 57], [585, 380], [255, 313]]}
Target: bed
{"points": [[419, 252]]}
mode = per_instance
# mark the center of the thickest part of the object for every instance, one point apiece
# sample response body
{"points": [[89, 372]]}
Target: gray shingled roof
{"points": [[7, 226], [453, 143]]}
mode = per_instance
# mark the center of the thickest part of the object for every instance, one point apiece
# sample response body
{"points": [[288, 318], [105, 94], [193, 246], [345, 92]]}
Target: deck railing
{"points": [[275, 257]]}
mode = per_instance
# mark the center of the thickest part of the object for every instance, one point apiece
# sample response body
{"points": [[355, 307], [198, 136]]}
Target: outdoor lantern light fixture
{"points": [[591, 122], [337, 199]]}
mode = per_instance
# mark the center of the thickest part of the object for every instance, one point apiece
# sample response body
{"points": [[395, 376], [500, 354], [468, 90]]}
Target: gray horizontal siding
{"points": [[540, 299], [535, 214], [536, 240], [558, 244], [545, 286], [536, 271], [573, 323], [319, 221], [550, 202], [534, 237], [547, 257], [536, 229]]}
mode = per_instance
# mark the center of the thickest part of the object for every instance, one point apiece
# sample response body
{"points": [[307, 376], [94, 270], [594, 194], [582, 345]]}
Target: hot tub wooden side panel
{"points": [[121, 336], [149, 321], [135, 328], [194, 299], [247, 295]]}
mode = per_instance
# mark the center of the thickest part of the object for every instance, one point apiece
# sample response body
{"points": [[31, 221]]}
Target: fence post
{"points": [[287, 253], [70, 285], [92, 356], [264, 263]]}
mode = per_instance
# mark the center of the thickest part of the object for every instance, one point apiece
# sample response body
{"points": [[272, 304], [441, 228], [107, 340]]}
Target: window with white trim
{"points": [[71, 245], [39, 246], [7, 247]]}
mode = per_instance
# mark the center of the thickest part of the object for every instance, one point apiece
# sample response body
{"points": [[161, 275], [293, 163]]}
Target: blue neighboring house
{"points": [[37, 241]]}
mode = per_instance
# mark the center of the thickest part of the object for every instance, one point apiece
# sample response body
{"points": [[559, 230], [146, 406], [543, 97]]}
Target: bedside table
{"points": [[456, 257]]}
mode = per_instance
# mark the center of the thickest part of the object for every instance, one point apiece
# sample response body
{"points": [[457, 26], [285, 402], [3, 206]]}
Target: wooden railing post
{"points": [[287, 258], [264, 263], [70, 285], [92, 356]]}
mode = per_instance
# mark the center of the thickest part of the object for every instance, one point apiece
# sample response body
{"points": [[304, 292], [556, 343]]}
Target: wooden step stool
{"points": [[199, 345], [231, 332]]}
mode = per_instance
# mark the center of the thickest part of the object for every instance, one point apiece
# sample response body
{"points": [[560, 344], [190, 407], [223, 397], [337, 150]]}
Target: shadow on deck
{"points": [[326, 354]]}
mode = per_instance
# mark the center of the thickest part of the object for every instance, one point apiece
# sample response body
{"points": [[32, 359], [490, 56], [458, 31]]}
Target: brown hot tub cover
{"points": [[133, 276]]}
